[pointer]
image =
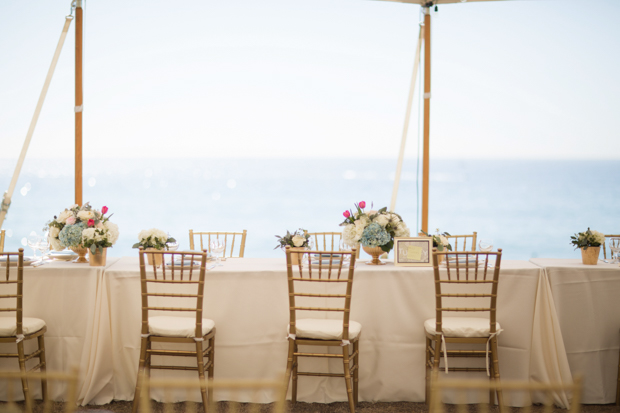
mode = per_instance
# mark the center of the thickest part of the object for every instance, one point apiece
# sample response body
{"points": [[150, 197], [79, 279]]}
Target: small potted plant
{"points": [[590, 244], [440, 241], [153, 240], [298, 241]]}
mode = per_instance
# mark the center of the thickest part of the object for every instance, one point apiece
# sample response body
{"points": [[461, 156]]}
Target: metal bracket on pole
{"points": [[6, 202]]}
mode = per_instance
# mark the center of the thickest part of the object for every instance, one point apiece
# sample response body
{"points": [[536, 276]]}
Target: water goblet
{"points": [[44, 246], [33, 242], [485, 245], [614, 247], [217, 248]]}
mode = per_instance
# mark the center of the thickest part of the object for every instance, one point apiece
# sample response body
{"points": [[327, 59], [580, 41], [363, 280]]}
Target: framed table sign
{"points": [[413, 252]]}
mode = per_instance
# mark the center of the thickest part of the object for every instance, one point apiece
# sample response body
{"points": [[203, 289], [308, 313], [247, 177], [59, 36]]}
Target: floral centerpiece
{"points": [[299, 239], [590, 243], [375, 230], [440, 240], [153, 239]]}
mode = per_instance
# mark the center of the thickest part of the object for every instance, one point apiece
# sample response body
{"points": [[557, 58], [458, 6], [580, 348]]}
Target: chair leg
{"points": [[347, 377], [289, 365], [295, 368], [41, 342], [201, 371], [500, 396], [491, 378], [136, 397], [211, 366], [356, 360], [22, 368], [427, 367]]}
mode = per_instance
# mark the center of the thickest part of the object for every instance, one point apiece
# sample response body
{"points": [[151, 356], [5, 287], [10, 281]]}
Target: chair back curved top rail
{"points": [[604, 244], [230, 238], [460, 242]]}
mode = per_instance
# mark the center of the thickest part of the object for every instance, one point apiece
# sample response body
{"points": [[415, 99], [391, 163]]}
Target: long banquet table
{"points": [[587, 300], [247, 299], [93, 318]]}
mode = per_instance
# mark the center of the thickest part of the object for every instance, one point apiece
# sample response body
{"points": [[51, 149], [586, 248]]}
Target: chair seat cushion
{"points": [[169, 326], [8, 326], [323, 329], [462, 326]]}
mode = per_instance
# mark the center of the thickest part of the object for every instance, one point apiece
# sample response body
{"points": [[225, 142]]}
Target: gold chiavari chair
{"points": [[251, 388], [605, 244], [229, 238], [328, 241], [2, 235], [16, 328], [307, 283], [454, 241], [462, 389], [460, 281], [9, 380], [178, 287]]}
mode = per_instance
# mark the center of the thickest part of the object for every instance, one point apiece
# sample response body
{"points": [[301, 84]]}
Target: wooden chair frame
{"points": [[326, 274], [20, 337], [217, 235], [456, 238], [2, 235], [175, 275], [70, 379], [605, 244], [461, 387], [464, 276], [325, 236]]}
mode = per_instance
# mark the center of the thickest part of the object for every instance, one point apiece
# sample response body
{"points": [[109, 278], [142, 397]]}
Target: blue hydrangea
{"points": [[374, 235], [71, 235]]}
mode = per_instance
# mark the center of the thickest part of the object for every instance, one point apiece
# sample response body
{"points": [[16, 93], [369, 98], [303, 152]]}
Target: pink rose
{"points": [[99, 225], [362, 204], [71, 220], [104, 209], [346, 214], [91, 222]]}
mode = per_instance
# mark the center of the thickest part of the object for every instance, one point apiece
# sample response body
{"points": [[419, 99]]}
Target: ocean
{"points": [[530, 208]]}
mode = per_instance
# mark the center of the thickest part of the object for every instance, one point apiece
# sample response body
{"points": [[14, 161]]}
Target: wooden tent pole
{"points": [[427, 117], [78, 102]]}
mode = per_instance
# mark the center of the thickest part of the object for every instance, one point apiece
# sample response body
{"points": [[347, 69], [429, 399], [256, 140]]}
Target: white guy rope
{"points": [[6, 200]]}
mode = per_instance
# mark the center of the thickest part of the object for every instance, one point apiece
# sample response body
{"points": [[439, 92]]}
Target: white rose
{"points": [[348, 234], [62, 217], [55, 244], [444, 240], [401, 230], [360, 225], [298, 240], [88, 234], [53, 233], [86, 215], [382, 220], [598, 236], [112, 232]]}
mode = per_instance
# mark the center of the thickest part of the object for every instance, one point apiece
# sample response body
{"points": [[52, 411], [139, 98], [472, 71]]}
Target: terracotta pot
{"points": [[81, 252], [98, 259], [375, 252], [590, 256], [295, 258], [151, 257]]}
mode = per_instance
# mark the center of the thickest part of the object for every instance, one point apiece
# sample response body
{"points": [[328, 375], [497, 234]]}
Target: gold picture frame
{"points": [[413, 252]]}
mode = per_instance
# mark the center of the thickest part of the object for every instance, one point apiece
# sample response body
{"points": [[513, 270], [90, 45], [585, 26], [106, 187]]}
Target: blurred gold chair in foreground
{"points": [[472, 241], [461, 390], [9, 380], [16, 329], [2, 235], [233, 388], [604, 244], [229, 238]]}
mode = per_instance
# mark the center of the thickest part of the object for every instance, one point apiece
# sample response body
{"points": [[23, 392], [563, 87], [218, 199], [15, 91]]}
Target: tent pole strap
{"points": [[403, 140], [427, 116], [6, 199]]}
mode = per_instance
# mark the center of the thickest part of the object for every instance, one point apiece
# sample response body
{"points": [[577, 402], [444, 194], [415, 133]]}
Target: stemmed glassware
{"points": [[44, 245], [218, 246], [614, 247], [486, 245], [33, 242], [344, 247]]}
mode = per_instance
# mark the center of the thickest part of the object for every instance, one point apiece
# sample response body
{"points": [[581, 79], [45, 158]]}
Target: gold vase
{"points": [[98, 258], [590, 256], [81, 252], [375, 252], [153, 257]]}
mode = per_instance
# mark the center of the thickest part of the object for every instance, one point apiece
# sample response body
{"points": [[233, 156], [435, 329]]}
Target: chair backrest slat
{"points": [[230, 238], [316, 268], [462, 269], [12, 285], [454, 239], [185, 276]]}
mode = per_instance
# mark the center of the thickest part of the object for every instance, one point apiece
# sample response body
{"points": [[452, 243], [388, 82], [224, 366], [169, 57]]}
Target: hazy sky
{"points": [[292, 78]]}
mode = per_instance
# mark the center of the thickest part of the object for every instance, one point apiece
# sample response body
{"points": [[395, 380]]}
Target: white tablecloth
{"points": [[247, 299], [587, 299], [65, 295]]}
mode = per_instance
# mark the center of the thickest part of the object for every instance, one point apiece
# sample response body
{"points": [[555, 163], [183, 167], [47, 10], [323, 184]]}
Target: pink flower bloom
{"points": [[104, 209], [91, 222], [346, 214], [99, 225], [71, 220], [362, 204]]}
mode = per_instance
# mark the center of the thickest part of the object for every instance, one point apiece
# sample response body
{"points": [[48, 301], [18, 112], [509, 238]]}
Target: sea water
{"points": [[529, 208]]}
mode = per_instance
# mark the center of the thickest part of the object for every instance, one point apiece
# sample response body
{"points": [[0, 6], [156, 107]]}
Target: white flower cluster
{"points": [[352, 233], [103, 232], [154, 233], [598, 236], [298, 240]]}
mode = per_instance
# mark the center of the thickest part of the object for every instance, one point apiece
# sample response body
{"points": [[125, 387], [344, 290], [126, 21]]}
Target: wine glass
{"points": [[486, 245], [217, 248], [44, 246], [33, 242], [614, 247], [344, 247]]}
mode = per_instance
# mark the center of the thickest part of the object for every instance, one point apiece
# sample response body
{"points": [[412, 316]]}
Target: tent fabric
{"points": [[421, 2]]}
